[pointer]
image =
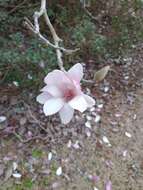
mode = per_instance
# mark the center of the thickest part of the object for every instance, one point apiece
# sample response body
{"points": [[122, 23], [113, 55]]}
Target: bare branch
{"points": [[90, 15], [36, 30], [17, 7]]}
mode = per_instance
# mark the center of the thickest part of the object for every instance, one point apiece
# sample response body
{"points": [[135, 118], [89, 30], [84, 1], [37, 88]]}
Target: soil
{"points": [[90, 155]]}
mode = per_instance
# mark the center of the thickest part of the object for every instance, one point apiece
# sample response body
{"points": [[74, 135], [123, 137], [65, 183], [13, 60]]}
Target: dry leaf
{"points": [[101, 74]]}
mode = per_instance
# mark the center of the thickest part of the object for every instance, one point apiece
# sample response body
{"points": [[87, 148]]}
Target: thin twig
{"points": [[34, 117], [84, 6], [29, 139], [90, 15], [91, 82], [30, 26], [17, 7], [36, 30]]}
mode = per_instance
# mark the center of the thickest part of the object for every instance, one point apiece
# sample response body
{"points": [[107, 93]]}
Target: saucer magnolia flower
{"points": [[63, 94]]}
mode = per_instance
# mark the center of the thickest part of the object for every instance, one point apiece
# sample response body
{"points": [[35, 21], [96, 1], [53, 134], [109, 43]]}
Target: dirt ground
{"points": [[103, 144]]}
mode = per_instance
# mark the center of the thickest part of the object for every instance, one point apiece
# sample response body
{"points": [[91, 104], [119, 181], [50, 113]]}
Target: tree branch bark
{"points": [[36, 30]]}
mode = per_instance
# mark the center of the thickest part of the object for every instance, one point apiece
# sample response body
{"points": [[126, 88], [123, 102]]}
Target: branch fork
{"points": [[36, 30]]}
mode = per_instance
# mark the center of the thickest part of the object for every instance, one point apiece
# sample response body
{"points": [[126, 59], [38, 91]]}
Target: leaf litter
{"points": [[71, 143]]}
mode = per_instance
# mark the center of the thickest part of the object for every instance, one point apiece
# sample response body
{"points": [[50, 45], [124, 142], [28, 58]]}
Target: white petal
{"points": [[59, 171], [52, 106], [76, 145], [15, 166], [88, 124], [52, 90], [50, 155], [2, 119], [56, 77], [43, 97], [78, 103], [66, 114], [97, 118], [76, 72], [128, 134], [105, 140], [108, 185], [90, 101], [17, 175], [95, 188]]}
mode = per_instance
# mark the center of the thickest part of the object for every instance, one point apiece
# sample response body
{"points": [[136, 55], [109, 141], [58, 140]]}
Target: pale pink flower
{"points": [[63, 94]]}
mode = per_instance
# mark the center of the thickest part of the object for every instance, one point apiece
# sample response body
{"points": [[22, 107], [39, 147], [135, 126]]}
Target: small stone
{"points": [[88, 124], [59, 171]]}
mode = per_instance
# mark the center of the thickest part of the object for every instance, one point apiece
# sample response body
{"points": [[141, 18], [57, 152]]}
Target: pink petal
{"points": [[56, 77], [66, 114], [52, 90], [43, 97], [78, 103], [90, 101], [76, 72], [52, 106], [108, 185]]}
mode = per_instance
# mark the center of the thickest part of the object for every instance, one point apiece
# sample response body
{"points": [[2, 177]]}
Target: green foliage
{"points": [[36, 153], [21, 55], [83, 31], [85, 35], [99, 44], [27, 184], [24, 57]]}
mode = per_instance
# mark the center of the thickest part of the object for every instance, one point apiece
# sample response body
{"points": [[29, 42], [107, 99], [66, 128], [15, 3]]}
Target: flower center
{"points": [[69, 94]]}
